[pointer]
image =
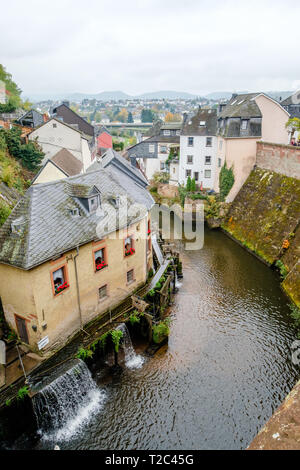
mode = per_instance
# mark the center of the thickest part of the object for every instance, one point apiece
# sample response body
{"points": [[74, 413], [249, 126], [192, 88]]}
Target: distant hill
{"points": [[165, 94]]}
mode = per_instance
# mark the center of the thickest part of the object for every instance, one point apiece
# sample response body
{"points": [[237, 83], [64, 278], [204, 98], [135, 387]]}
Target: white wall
{"points": [[54, 135], [199, 151]]}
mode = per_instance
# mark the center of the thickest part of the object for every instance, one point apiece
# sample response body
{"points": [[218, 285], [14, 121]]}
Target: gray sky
{"points": [[139, 46]]}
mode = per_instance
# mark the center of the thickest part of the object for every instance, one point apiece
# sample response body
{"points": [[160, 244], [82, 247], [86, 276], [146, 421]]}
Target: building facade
{"points": [[64, 260], [198, 149], [246, 119], [54, 135]]}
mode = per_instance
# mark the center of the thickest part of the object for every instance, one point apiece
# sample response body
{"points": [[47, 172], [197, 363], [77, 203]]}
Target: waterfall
{"points": [[64, 404], [132, 360], [177, 283]]}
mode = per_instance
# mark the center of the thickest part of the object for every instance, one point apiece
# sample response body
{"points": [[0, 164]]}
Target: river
{"points": [[225, 370]]}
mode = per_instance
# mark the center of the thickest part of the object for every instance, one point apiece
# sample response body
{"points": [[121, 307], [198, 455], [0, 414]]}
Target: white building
{"points": [[55, 135], [198, 149]]}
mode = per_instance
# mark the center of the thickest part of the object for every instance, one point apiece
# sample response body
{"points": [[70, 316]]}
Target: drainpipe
{"points": [[77, 287]]}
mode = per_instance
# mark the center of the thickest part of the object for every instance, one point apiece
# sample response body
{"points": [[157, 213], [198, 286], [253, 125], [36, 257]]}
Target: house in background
{"points": [[104, 140], [69, 260], [55, 135], [292, 105], [198, 149], [246, 119], [32, 119], [152, 153], [62, 165]]}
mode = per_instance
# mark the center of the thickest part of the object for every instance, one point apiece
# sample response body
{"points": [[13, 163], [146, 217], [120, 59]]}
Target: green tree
{"points": [[130, 117], [193, 185], [226, 181], [189, 184], [147, 115], [293, 125], [13, 91], [29, 154]]}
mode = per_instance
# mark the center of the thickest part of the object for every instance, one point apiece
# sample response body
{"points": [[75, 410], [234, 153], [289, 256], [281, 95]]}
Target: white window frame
{"points": [[205, 173], [151, 148], [187, 159], [208, 163], [167, 132]]}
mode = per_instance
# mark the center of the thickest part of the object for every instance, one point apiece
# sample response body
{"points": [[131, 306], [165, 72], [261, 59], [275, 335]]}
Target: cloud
{"points": [[145, 45]]}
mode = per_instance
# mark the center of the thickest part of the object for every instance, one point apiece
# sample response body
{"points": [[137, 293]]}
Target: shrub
{"points": [[189, 184], [160, 331], [4, 212], [84, 354], [282, 268], [135, 317], [116, 336], [22, 393], [226, 181]]}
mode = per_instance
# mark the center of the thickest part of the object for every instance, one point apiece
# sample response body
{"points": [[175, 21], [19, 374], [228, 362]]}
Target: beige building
{"points": [[60, 166], [71, 249], [245, 120]]}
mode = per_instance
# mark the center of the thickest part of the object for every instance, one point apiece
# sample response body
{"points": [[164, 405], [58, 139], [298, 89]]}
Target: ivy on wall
{"points": [[226, 181]]}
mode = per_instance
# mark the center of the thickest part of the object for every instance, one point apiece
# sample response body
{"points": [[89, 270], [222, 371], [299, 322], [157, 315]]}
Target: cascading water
{"points": [[132, 360], [66, 403]]}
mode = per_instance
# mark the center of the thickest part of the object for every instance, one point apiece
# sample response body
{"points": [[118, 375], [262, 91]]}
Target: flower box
{"points": [[59, 289], [130, 252], [149, 231], [101, 266]]}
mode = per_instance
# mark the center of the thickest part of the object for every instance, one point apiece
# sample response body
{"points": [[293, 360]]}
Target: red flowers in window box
{"points": [[101, 266], [130, 252], [62, 287], [149, 231]]}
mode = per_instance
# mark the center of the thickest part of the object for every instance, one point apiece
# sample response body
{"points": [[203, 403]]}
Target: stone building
{"points": [[70, 250]]}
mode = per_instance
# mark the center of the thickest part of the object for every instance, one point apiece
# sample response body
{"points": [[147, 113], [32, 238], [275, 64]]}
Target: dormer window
{"points": [[75, 212], [94, 203], [202, 123]]}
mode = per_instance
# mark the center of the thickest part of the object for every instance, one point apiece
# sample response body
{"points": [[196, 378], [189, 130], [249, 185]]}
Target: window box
{"points": [[130, 252], [101, 266], [59, 289], [149, 231]]}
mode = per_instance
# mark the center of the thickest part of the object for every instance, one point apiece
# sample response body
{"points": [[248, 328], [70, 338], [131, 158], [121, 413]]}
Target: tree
{"points": [[122, 116], [193, 185], [226, 181], [293, 125], [29, 154], [189, 184], [147, 115], [130, 117], [12, 89]]}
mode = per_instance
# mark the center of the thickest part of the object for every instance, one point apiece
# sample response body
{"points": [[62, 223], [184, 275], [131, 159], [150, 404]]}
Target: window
{"points": [[196, 176], [94, 203], [59, 279], [188, 173], [151, 148], [244, 124], [129, 246], [167, 132], [220, 144], [74, 212], [130, 276], [54, 125], [149, 227], [189, 159], [207, 160], [219, 162], [207, 174], [162, 165], [100, 259], [190, 141], [174, 169], [202, 123], [103, 292], [208, 141], [178, 132], [163, 149]]}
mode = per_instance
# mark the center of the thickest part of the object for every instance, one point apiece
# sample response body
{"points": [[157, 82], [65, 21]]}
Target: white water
{"points": [[68, 403], [132, 360]]}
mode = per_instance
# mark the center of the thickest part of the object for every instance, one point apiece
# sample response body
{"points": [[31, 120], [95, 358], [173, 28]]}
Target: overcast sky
{"points": [[139, 46]]}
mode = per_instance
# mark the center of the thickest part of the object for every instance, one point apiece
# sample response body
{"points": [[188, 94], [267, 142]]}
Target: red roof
{"points": [[105, 141]]}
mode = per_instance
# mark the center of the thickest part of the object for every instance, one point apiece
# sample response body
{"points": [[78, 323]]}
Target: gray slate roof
{"points": [[293, 99], [47, 228], [242, 106], [192, 125]]}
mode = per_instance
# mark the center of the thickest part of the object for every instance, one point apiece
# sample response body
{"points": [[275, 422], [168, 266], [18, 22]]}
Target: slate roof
{"points": [[293, 99], [47, 228], [192, 125], [242, 106], [32, 117], [66, 161], [114, 158], [171, 125]]}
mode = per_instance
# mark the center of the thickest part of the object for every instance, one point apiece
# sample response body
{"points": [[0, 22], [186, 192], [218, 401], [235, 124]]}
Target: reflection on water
{"points": [[225, 370]]}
